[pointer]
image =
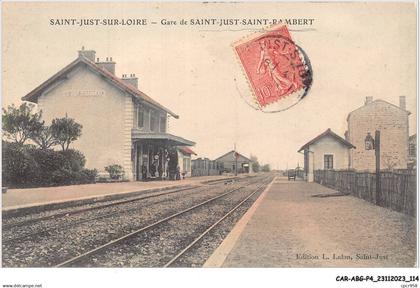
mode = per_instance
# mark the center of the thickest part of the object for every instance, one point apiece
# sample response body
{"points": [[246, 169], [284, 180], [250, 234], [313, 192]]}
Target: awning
{"points": [[186, 150], [165, 137]]}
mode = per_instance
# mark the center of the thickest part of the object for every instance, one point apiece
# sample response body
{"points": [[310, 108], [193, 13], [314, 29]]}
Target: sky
{"points": [[356, 50]]}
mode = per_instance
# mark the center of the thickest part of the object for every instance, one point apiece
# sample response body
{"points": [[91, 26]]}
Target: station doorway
{"points": [[155, 161]]}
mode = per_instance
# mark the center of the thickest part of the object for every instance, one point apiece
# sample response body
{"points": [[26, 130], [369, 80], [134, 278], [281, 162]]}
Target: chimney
{"points": [[402, 102], [108, 65], [89, 54], [369, 99], [131, 80]]}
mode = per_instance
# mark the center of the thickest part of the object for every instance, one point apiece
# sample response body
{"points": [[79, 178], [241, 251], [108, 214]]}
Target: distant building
{"points": [[391, 121], [232, 160], [326, 151], [184, 160], [412, 152], [121, 124]]}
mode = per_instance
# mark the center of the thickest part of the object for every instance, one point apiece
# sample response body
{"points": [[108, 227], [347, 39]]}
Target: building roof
{"points": [[327, 132], [114, 80], [233, 151], [375, 102], [172, 139], [186, 150]]}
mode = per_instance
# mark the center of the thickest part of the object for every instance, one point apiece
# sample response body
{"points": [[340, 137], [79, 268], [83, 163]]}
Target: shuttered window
{"points": [[162, 127], [328, 162], [153, 121], [140, 117]]}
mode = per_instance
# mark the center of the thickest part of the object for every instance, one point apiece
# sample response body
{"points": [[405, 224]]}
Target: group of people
{"points": [[158, 170]]}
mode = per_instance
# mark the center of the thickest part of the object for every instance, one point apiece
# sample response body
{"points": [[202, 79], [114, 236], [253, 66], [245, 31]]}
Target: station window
{"points": [[162, 123], [140, 117], [153, 121], [328, 161]]}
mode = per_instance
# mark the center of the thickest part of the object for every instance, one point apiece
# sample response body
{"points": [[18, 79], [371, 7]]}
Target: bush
{"points": [[87, 176], [69, 177], [115, 171], [28, 166], [63, 176], [17, 167], [47, 162], [73, 159]]}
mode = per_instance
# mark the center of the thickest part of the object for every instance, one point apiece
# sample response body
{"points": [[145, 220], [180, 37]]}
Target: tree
{"points": [[255, 164], [65, 130], [44, 137], [19, 124]]}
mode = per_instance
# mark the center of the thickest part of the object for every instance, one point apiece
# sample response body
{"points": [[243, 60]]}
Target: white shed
{"points": [[326, 151]]}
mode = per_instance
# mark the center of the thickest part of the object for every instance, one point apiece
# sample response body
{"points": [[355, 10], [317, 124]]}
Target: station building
{"points": [[121, 124]]}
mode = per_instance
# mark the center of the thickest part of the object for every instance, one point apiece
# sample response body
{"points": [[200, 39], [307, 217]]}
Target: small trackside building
{"points": [[326, 151], [184, 160], [121, 124]]}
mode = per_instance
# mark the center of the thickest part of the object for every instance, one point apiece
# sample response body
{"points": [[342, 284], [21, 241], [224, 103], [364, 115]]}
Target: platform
{"points": [[288, 227]]}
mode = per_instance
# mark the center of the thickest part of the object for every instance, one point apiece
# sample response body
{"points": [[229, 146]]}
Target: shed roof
{"points": [[233, 151], [117, 82], [327, 132]]}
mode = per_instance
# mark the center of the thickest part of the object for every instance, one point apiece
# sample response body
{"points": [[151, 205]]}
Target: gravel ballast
{"points": [[52, 241]]}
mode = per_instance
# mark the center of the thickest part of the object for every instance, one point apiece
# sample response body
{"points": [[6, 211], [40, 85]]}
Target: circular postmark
{"points": [[279, 71]]}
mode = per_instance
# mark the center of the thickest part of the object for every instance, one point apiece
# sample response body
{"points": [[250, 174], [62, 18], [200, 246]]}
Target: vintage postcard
{"points": [[204, 134]]}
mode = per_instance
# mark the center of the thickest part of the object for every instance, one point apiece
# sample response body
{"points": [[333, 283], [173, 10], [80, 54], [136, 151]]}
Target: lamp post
{"points": [[375, 144]]}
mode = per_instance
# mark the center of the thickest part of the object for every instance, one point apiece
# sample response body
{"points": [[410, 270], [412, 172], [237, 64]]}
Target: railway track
{"points": [[67, 213], [97, 205], [228, 180], [91, 208], [79, 211], [209, 229], [87, 255]]}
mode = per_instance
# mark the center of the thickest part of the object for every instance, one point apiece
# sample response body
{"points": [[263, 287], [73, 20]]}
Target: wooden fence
{"points": [[205, 167], [398, 188]]}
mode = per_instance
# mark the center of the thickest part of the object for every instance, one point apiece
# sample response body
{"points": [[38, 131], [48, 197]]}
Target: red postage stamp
{"points": [[275, 66]]}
